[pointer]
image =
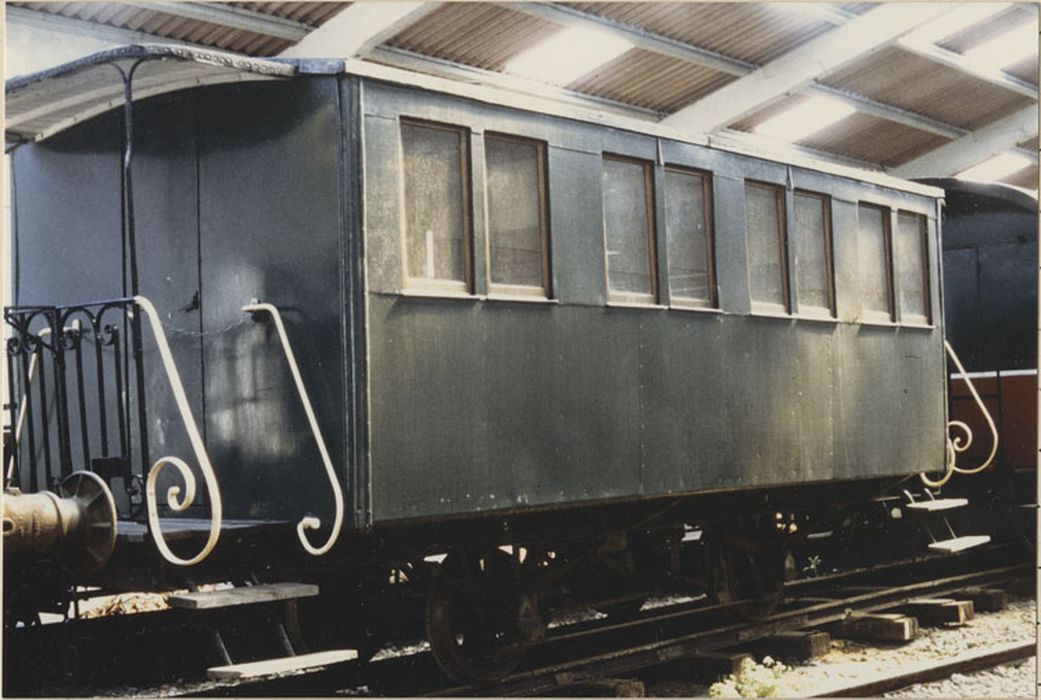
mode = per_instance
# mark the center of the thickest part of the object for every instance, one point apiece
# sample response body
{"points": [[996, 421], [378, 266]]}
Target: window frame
{"points": [[923, 242], [519, 290], [708, 215], [873, 316], [634, 298], [816, 312], [769, 308], [464, 287]]}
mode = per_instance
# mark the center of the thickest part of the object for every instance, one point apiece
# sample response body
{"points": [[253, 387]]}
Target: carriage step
{"points": [[959, 544], [246, 595], [304, 662], [937, 505]]}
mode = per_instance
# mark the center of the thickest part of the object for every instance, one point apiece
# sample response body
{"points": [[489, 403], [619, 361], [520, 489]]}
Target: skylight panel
{"points": [[567, 55], [996, 168], [806, 118], [1007, 49]]}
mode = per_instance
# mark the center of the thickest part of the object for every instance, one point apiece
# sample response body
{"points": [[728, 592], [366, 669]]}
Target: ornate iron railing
{"points": [[71, 429], [70, 403]]}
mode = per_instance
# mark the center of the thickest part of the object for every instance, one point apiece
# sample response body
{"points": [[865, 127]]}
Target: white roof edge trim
{"points": [[506, 98], [147, 51]]}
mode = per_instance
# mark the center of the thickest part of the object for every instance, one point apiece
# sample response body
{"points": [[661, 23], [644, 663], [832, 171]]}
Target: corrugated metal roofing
{"points": [[486, 36], [751, 32], [651, 80], [476, 34], [313, 14], [168, 26], [858, 136], [988, 29], [896, 77]]}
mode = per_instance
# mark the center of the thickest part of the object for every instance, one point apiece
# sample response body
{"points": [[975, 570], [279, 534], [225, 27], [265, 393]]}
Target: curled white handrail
{"points": [[308, 522], [957, 444], [174, 499]]}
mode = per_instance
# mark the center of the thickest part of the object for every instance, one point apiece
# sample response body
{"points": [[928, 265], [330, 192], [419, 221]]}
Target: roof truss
{"points": [[997, 137], [800, 67], [359, 28]]}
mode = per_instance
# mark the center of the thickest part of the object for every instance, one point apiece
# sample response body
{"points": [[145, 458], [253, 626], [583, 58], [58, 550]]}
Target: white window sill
{"points": [[519, 298], [697, 309], [633, 305]]}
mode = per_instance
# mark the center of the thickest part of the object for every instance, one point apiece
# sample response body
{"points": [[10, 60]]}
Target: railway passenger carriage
{"points": [[514, 325]]}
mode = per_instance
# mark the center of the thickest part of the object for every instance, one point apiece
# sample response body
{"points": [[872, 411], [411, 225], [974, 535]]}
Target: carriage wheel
{"points": [[478, 625]]}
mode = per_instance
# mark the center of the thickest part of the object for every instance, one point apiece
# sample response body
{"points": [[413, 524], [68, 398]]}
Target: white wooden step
{"points": [[246, 595], [937, 504], [959, 544], [269, 667]]}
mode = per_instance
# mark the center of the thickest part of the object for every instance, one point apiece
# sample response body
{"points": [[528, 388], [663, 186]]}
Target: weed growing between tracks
{"points": [[754, 680]]}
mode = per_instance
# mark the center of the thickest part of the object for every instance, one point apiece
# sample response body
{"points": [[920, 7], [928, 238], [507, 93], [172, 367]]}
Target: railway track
{"points": [[929, 671], [579, 654]]}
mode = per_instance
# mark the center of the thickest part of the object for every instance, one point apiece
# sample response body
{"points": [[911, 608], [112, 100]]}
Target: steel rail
{"points": [[933, 671], [413, 674], [551, 678]]}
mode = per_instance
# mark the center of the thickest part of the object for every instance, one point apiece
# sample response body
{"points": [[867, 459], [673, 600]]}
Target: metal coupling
{"points": [[77, 526]]}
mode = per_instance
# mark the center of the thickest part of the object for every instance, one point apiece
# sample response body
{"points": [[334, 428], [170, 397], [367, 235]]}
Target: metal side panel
{"points": [[270, 208], [167, 231], [504, 405]]}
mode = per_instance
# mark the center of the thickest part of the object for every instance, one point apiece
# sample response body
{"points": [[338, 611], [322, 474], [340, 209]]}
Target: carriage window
{"points": [[876, 296], [517, 259], [813, 253], [910, 260], [764, 219], [437, 226], [688, 230], [629, 231]]}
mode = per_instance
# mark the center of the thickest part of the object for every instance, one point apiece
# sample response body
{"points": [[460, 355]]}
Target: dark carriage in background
{"points": [[990, 289], [431, 333]]}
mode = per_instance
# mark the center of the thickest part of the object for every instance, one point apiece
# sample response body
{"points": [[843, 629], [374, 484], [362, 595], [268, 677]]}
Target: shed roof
{"points": [[912, 95]]}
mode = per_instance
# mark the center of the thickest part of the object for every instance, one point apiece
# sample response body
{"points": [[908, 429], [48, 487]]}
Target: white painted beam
{"points": [[656, 43], [801, 66], [230, 16], [957, 61], [640, 38], [359, 28], [997, 137]]}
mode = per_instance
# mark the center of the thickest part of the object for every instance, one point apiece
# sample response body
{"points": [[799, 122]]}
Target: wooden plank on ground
{"points": [[255, 669], [247, 595], [802, 645], [707, 667], [876, 627], [938, 611]]}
